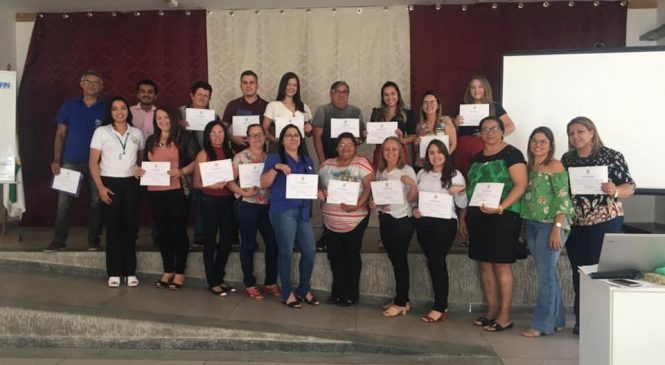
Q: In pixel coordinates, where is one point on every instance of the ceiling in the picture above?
(35, 6)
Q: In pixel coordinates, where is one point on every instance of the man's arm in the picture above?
(318, 143)
(58, 144)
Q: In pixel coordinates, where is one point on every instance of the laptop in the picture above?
(621, 251)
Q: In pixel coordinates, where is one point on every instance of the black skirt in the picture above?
(492, 237)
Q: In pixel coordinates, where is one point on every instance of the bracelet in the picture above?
(182, 172)
(275, 168)
(616, 193)
(500, 209)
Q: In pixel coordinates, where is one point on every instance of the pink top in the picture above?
(169, 154)
(142, 119)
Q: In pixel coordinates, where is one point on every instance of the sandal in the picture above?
(482, 322)
(227, 288)
(497, 327)
(218, 290)
(177, 284)
(532, 333)
(273, 290)
(294, 304)
(429, 319)
(388, 305)
(395, 310)
(311, 300)
(253, 293)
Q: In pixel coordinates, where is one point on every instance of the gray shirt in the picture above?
(322, 118)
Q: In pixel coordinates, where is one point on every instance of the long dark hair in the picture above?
(174, 129)
(401, 108)
(207, 146)
(281, 92)
(301, 147)
(550, 154)
(108, 118)
(448, 170)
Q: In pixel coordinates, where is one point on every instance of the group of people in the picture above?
(110, 146)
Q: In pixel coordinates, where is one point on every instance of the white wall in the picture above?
(23, 34)
(7, 37)
(638, 22)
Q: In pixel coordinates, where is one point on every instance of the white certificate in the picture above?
(377, 132)
(281, 122)
(241, 122)
(425, 140)
(587, 180)
(339, 126)
(435, 205)
(343, 192)
(387, 192)
(301, 186)
(250, 175)
(474, 113)
(156, 173)
(213, 172)
(488, 194)
(68, 181)
(198, 118)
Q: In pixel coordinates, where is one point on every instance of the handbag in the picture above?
(521, 250)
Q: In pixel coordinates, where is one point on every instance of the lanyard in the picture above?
(123, 144)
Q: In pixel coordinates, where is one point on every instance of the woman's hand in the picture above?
(175, 172)
(349, 208)
(283, 168)
(608, 188)
(399, 134)
(138, 172)
(459, 120)
(308, 128)
(105, 195)
(416, 213)
(456, 189)
(488, 210)
(322, 194)
(408, 181)
(555, 239)
(217, 186)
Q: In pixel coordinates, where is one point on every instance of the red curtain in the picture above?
(449, 45)
(124, 47)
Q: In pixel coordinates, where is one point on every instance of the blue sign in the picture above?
(5, 85)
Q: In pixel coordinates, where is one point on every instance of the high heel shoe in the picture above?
(395, 310)
(177, 284)
(388, 305)
(429, 319)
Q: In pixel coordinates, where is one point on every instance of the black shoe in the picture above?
(345, 302)
(54, 246)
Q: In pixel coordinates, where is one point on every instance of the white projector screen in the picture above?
(621, 91)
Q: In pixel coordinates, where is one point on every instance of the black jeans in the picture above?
(121, 219)
(345, 261)
(436, 236)
(217, 214)
(169, 217)
(253, 218)
(396, 237)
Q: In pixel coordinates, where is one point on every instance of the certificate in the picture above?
(198, 118)
(474, 113)
(250, 175)
(435, 205)
(387, 192)
(68, 181)
(213, 172)
(425, 140)
(241, 122)
(377, 132)
(156, 173)
(301, 186)
(281, 122)
(343, 192)
(488, 194)
(339, 126)
(587, 180)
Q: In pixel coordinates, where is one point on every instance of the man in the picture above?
(76, 121)
(250, 103)
(324, 144)
(142, 113)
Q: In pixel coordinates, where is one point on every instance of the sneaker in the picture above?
(132, 281)
(94, 246)
(253, 293)
(114, 281)
(54, 246)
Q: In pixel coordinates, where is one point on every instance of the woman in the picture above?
(287, 104)
(290, 218)
(115, 149)
(432, 123)
(436, 235)
(170, 143)
(252, 212)
(216, 209)
(493, 232)
(393, 109)
(345, 224)
(396, 222)
(546, 208)
(598, 214)
(478, 91)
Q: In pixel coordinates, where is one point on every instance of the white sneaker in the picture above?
(132, 281)
(114, 281)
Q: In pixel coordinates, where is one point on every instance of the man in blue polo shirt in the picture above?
(76, 122)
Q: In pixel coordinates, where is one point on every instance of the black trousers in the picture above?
(436, 236)
(217, 213)
(169, 216)
(345, 261)
(121, 220)
(396, 236)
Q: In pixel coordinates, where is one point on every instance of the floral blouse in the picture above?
(547, 196)
(245, 157)
(595, 209)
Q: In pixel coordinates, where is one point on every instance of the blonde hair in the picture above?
(487, 94)
(383, 164)
(596, 142)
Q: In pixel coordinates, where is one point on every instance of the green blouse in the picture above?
(546, 196)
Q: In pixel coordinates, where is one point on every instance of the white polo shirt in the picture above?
(119, 152)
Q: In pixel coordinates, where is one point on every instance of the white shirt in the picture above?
(116, 160)
(277, 109)
(431, 182)
(398, 210)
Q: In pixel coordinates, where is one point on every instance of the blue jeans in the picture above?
(290, 228)
(548, 313)
(253, 218)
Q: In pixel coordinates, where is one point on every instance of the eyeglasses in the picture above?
(490, 130)
(340, 92)
(256, 135)
(91, 82)
(292, 136)
(345, 145)
(539, 142)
